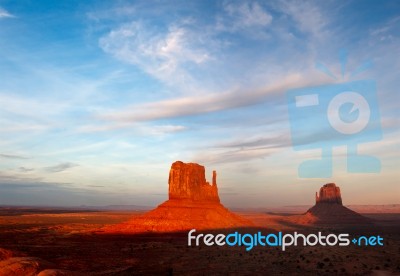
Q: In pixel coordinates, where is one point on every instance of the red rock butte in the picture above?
(329, 193)
(193, 204)
(188, 181)
(329, 210)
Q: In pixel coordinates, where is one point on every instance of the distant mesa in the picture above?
(193, 203)
(329, 210)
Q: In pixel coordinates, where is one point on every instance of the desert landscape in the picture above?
(285, 114)
(62, 241)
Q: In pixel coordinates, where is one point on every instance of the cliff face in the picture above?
(188, 181)
(329, 193)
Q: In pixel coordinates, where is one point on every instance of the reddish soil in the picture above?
(71, 244)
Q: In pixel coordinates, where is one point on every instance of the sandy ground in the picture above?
(71, 243)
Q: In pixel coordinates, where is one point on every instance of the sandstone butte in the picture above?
(329, 210)
(193, 203)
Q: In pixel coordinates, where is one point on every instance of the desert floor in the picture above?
(71, 240)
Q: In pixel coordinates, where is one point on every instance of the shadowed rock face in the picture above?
(328, 209)
(329, 193)
(188, 181)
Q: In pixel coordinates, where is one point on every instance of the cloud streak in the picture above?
(60, 167)
(187, 106)
(23, 169)
(12, 156)
(232, 156)
(5, 14)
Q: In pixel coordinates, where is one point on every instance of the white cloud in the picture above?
(164, 56)
(308, 17)
(5, 14)
(249, 14)
(185, 106)
(242, 16)
(160, 130)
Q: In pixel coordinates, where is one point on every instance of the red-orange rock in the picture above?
(182, 215)
(188, 181)
(329, 193)
(28, 266)
(193, 204)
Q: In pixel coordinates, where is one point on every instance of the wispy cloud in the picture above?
(61, 167)
(247, 17)
(12, 156)
(162, 55)
(160, 130)
(11, 178)
(5, 14)
(23, 169)
(186, 106)
(239, 155)
(140, 129)
(34, 111)
(307, 16)
(386, 31)
(267, 141)
(114, 13)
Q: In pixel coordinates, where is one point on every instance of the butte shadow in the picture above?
(193, 204)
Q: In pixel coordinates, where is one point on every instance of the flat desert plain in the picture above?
(51, 241)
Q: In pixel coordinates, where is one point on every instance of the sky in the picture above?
(99, 98)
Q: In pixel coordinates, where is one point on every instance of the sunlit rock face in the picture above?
(193, 204)
(188, 181)
(329, 193)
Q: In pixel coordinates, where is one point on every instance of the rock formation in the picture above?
(329, 193)
(30, 266)
(187, 181)
(193, 204)
(328, 210)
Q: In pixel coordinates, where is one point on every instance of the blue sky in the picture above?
(98, 98)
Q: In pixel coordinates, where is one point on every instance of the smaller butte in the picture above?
(329, 210)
